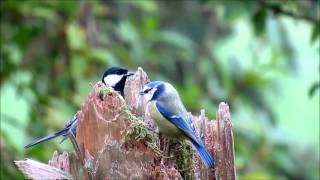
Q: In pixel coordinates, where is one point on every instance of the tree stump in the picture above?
(114, 141)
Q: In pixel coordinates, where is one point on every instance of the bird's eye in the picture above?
(146, 91)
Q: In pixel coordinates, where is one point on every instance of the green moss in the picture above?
(106, 91)
(184, 160)
(138, 130)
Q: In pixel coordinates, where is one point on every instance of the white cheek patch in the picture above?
(145, 88)
(152, 91)
(148, 96)
(112, 79)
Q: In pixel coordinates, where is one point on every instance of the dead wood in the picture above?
(115, 142)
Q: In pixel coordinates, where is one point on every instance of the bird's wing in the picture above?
(46, 138)
(71, 122)
(71, 125)
(178, 121)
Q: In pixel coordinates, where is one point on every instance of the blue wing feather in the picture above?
(177, 120)
(187, 129)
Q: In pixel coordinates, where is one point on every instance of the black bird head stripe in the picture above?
(119, 86)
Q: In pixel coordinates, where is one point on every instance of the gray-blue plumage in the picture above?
(71, 126)
(172, 118)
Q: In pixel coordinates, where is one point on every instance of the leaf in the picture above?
(79, 65)
(45, 13)
(176, 39)
(315, 33)
(76, 37)
(128, 32)
(253, 79)
(103, 56)
(150, 25)
(15, 117)
(262, 175)
(313, 89)
(259, 21)
(148, 6)
(190, 95)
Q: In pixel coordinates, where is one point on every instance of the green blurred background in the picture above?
(262, 57)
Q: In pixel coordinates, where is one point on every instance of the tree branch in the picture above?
(279, 10)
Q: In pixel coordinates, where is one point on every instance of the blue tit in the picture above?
(167, 110)
(115, 77)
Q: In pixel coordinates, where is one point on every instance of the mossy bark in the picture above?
(115, 141)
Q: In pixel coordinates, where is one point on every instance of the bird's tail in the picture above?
(204, 154)
(46, 138)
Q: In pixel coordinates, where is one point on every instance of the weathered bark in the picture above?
(115, 141)
(36, 170)
(218, 138)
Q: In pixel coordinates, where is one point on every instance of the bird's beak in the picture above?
(141, 93)
(129, 74)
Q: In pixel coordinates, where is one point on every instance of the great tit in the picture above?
(115, 77)
(170, 115)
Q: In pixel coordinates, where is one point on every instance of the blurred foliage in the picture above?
(212, 51)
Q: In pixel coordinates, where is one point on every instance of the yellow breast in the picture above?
(165, 126)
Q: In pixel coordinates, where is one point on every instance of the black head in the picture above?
(115, 71)
(116, 78)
